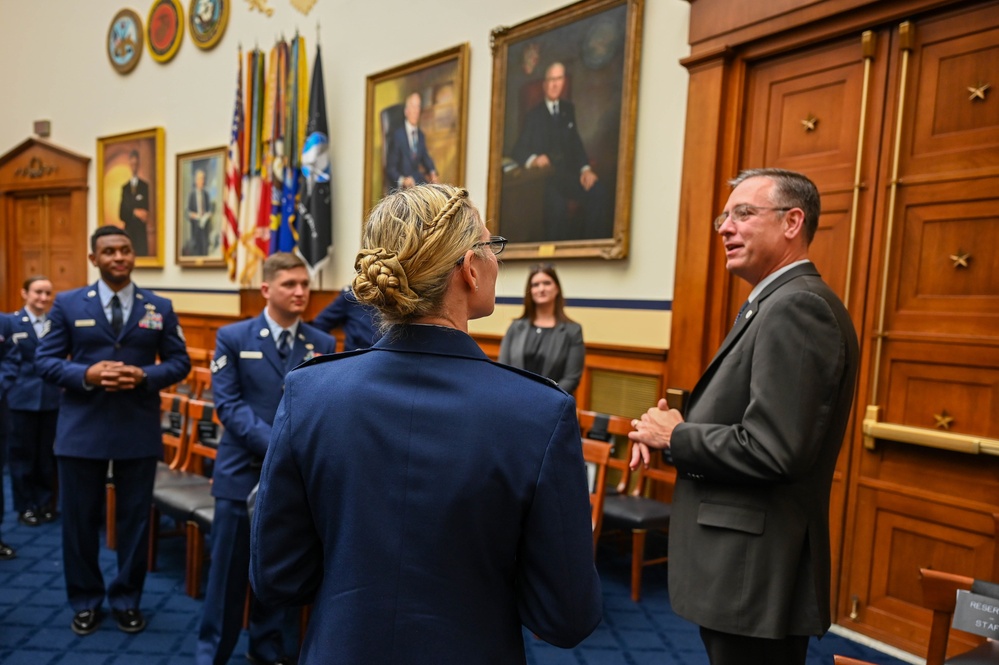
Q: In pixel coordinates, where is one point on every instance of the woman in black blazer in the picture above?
(544, 340)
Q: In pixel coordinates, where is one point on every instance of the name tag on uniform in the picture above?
(253, 355)
(84, 323)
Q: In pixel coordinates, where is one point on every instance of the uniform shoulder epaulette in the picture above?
(537, 378)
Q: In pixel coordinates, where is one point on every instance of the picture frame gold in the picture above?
(164, 29)
(199, 209)
(124, 41)
(560, 177)
(207, 21)
(121, 203)
(441, 82)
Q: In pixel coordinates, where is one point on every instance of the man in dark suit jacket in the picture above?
(251, 360)
(550, 140)
(34, 407)
(134, 208)
(101, 345)
(408, 162)
(749, 538)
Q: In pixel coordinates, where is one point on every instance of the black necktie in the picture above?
(284, 344)
(116, 316)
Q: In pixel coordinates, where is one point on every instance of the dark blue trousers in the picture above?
(228, 576)
(30, 437)
(81, 486)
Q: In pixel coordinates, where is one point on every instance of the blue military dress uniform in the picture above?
(33, 405)
(248, 376)
(97, 426)
(5, 327)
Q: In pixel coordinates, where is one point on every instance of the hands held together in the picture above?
(653, 430)
(113, 375)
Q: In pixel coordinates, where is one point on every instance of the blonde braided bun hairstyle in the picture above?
(412, 241)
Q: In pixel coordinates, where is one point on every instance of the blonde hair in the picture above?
(411, 243)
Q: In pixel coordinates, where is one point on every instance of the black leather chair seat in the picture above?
(203, 517)
(623, 511)
(180, 501)
(166, 476)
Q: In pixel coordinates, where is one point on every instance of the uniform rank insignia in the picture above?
(180, 333)
(218, 364)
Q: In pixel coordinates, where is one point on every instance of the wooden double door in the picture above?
(43, 220)
(898, 125)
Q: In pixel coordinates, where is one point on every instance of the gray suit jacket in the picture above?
(749, 539)
(563, 350)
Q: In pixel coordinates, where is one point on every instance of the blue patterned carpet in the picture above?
(34, 616)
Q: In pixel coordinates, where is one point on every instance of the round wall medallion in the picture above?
(125, 41)
(164, 29)
(207, 20)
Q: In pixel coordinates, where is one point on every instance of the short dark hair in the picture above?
(133, 153)
(34, 278)
(106, 230)
(279, 261)
(791, 190)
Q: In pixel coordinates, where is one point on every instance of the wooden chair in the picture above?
(199, 357)
(597, 453)
(201, 383)
(940, 596)
(181, 500)
(613, 429)
(843, 660)
(205, 434)
(639, 513)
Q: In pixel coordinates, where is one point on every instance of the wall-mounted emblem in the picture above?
(125, 41)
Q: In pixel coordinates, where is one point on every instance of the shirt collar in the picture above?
(106, 292)
(276, 329)
(766, 281)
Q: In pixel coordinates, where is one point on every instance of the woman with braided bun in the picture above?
(427, 501)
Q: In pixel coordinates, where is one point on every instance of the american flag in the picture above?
(234, 179)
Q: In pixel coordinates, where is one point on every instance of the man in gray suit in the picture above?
(749, 539)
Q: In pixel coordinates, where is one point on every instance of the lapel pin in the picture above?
(265, 332)
(749, 313)
(91, 293)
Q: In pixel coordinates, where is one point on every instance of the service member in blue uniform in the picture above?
(101, 345)
(33, 405)
(6, 322)
(251, 360)
(358, 321)
(427, 500)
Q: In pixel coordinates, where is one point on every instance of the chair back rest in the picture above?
(201, 383)
(645, 477)
(843, 660)
(205, 430)
(173, 424)
(597, 453)
(613, 429)
(940, 596)
(199, 357)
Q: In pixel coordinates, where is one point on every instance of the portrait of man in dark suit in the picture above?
(408, 162)
(550, 142)
(200, 209)
(134, 208)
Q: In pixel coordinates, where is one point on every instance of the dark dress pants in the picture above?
(729, 649)
(228, 576)
(30, 436)
(81, 486)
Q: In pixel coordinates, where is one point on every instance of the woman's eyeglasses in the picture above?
(496, 243)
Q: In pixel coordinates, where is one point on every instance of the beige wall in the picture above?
(55, 68)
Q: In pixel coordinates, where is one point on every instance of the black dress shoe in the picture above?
(29, 518)
(86, 621)
(130, 621)
(6, 551)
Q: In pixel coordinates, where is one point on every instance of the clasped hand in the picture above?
(653, 430)
(113, 375)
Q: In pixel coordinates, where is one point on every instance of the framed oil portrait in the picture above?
(130, 190)
(416, 124)
(200, 180)
(562, 136)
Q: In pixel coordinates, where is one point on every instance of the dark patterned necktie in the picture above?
(742, 311)
(116, 316)
(284, 344)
